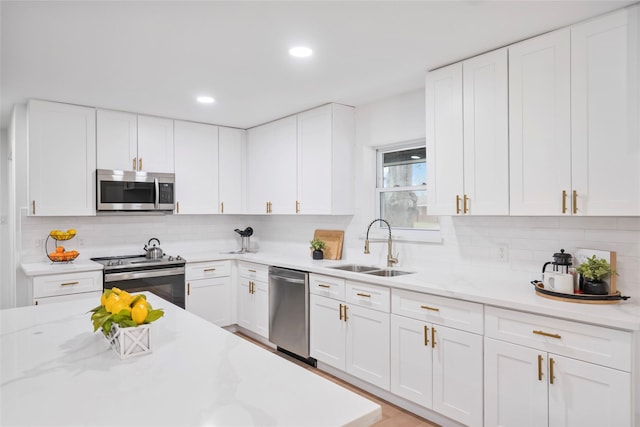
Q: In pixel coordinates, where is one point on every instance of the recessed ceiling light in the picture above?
(300, 51)
(205, 100)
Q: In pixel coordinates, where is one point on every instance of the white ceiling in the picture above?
(155, 57)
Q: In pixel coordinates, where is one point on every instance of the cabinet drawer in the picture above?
(253, 271)
(71, 297)
(327, 286)
(65, 284)
(596, 344)
(367, 295)
(202, 270)
(464, 315)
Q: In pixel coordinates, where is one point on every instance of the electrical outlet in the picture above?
(502, 253)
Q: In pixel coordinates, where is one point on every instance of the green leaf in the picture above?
(154, 315)
(127, 323)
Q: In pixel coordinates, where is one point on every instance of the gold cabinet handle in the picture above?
(340, 311)
(426, 335)
(134, 163)
(69, 283)
(457, 204)
(551, 376)
(539, 367)
(426, 307)
(250, 287)
(547, 334)
(140, 164)
(345, 313)
(574, 202)
(251, 271)
(322, 285)
(564, 201)
(297, 207)
(270, 207)
(465, 207)
(33, 207)
(221, 207)
(360, 294)
(209, 269)
(433, 337)
(177, 207)
(188, 289)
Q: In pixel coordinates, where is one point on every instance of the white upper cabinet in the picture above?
(486, 134)
(231, 150)
(62, 159)
(117, 137)
(443, 96)
(605, 118)
(196, 158)
(128, 141)
(325, 160)
(272, 167)
(539, 125)
(155, 144)
(467, 137)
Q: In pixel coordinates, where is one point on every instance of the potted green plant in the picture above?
(317, 246)
(594, 271)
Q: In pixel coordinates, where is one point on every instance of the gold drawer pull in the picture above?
(360, 294)
(251, 271)
(426, 307)
(209, 269)
(69, 283)
(547, 334)
(322, 285)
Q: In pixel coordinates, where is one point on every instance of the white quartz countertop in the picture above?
(57, 372)
(518, 295)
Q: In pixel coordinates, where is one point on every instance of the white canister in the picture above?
(559, 282)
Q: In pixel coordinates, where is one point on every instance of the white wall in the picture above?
(469, 245)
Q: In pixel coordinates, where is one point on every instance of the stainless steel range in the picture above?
(162, 276)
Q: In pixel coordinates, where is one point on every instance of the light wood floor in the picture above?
(392, 416)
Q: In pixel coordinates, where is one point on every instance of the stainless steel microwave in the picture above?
(129, 191)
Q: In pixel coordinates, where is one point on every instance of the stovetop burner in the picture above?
(121, 262)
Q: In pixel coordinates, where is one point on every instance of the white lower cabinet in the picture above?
(528, 385)
(253, 298)
(209, 291)
(65, 287)
(349, 335)
(436, 366)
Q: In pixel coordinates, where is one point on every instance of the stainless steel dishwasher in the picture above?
(289, 312)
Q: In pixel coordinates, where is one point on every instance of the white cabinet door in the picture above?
(272, 167)
(210, 299)
(327, 331)
(261, 308)
(367, 345)
(245, 310)
(443, 94)
(605, 114)
(61, 159)
(515, 385)
(231, 150)
(539, 125)
(117, 140)
(196, 168)
(411, 360)
(486, 134)
(586, 395)
(155, 144)
(457, 374)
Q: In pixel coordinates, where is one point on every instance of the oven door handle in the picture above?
(131, 275)
(157, 188)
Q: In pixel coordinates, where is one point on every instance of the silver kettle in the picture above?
(153, 252)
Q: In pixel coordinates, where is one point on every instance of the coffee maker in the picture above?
(561, 262)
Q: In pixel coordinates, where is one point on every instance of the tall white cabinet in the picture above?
(605, 115)
(231, 170)
(61, 159)
(467, 137)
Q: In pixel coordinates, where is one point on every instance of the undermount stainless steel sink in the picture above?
(355, 268)
(387, 273)
(374, 271)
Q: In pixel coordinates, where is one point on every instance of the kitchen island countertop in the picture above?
(57, 371)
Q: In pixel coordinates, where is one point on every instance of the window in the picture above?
(402, 187)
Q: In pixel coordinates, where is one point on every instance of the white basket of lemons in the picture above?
(125, 321)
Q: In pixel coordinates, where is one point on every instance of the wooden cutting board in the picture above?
(333, 239)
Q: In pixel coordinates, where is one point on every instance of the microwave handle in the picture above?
(157, 187)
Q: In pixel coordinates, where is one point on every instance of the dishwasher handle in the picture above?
(288, 279)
